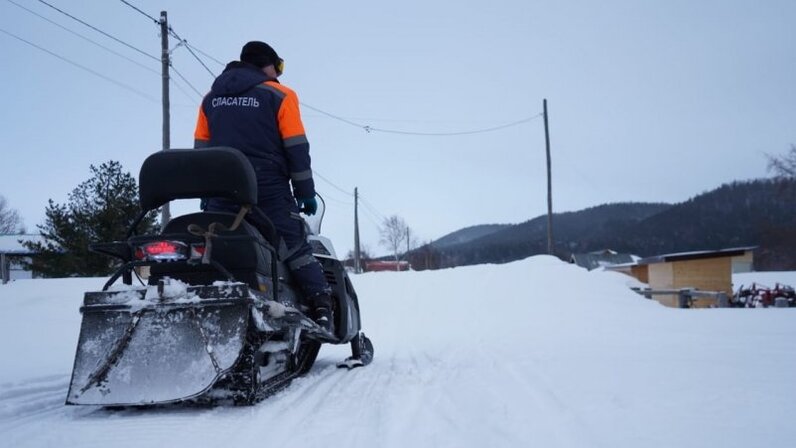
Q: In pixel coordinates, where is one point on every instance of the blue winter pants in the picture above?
(281, 208)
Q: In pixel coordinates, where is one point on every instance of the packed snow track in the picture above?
(533, 353)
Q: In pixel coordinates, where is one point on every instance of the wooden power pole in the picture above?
(549, 184)
(164, 59)
(357, 261)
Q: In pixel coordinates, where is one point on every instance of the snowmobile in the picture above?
(219, 320)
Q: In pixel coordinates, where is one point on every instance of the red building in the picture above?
(375, 266)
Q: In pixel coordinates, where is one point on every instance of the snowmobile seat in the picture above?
(216, 172)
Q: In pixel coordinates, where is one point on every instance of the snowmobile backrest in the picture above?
(216, 172)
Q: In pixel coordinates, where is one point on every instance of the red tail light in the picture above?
(162, 251)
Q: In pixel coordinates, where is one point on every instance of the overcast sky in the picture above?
(648, 100)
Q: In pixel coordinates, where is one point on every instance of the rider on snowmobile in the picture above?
(248, 109)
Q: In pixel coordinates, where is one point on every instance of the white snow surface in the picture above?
(532, 353)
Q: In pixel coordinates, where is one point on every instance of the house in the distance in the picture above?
(386, 265)
(12, 255)
(709, 270)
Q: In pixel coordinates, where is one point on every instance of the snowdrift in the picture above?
(532, 353)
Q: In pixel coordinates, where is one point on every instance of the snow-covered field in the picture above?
(533, 353)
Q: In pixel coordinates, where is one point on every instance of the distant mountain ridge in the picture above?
(469, 234)
(753, 213)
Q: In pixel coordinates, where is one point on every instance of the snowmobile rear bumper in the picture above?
(137, 347)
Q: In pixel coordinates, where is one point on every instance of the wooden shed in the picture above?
(702, 270)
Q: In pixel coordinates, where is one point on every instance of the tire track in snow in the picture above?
(33, 399)
(563, 422)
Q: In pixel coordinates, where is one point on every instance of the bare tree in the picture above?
(10, 222)
(784, 165)
(393, 234)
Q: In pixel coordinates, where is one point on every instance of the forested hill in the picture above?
(469, 234)
(754, 213)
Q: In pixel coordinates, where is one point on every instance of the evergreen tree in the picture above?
(100, 209)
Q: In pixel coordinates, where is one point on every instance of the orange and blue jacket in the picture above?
(257, 115)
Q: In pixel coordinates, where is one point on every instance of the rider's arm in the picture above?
(201, 136)
(297, 148)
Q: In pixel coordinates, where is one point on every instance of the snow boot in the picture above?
(322, 311)
(323, 317)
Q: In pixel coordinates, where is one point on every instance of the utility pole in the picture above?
(357, 261)
(164, 59)
(549, 184)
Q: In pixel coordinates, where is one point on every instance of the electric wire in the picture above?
(205, 54)
(185, 42)
(369, 129)
(93, 72)
(369, 204)
(100, 31)
(114, 52)
(185, 80)
(141, 12)
(332, 183)
(85, 38)
(336, 200)
(372, 209)
(330, 115)
(448, 134)
(174, 34)
(184, 92)
(109, 50)
(370, 217)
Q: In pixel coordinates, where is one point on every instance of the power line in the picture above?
(447, 134)
(186, 81)
(336, 117)
(95, 73)
(332, 183)
(100, 31)
(335, 200)
(184, 92)
(174, 34)
(374, 210)
(369, 129)
(141, 12)
(185, 42)
(110, 50)
(206, 55)
(369, 215)
(85, 38)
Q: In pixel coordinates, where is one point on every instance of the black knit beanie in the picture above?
(258, 53)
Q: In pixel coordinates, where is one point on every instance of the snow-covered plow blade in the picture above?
(155, 345)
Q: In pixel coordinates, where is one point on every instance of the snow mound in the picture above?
(532, 353)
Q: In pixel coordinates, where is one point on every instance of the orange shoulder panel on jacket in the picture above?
(202, 131)
(290, 124)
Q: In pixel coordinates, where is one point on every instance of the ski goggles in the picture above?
(280, 66)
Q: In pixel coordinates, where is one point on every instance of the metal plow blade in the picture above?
(134, 351)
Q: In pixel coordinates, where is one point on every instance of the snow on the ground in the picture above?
(532, 353)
